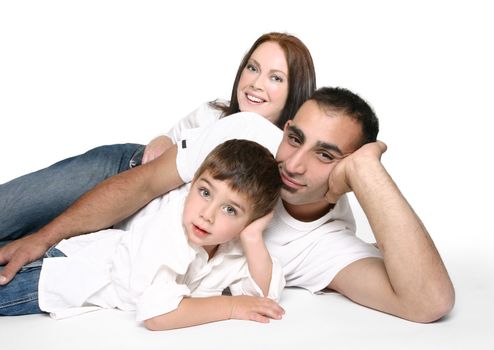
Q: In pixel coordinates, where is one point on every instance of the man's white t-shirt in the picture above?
(311, 253)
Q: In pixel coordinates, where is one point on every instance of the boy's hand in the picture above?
(18, 253)
(254, 230)
(257, 309)
(256, 253)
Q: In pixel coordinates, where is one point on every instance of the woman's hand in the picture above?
(155, 148)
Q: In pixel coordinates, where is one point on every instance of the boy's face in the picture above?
(213, 212)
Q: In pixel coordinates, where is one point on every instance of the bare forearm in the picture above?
(196, 311)
(413, 264)
(192, 312)
(108, 203)
(105, 205)
(115, 199)
(259, 261)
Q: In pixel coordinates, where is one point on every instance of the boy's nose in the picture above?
(207, 214)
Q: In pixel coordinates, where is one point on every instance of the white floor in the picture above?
(311, 322)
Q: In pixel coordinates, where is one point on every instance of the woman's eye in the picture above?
(277, 78)
(229, 210)
(251, 68)
(204, 192)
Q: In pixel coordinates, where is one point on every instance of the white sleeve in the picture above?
(328, 256)
(202, 116)
(158, 253)
(247, 285)
(196, 144)
(162, 296)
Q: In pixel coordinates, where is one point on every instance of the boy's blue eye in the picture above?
(228, 209)
(204, 192)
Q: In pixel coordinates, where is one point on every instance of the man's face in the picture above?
(313, 143)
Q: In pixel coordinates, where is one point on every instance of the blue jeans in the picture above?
(29, 202)
(20, 296)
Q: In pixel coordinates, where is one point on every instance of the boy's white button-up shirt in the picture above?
(148, 267)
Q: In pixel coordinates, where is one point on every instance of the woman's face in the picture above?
(263, 84)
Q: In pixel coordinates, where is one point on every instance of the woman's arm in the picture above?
(196, 311)
(156, 148)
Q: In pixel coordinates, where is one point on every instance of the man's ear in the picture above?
(287, 124)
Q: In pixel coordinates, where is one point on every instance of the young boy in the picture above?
(172, 263)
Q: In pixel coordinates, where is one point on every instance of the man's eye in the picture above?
(229, 210)
(326, 157)
(293, 140)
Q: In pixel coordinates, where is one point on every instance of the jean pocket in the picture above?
(50, 253)
(54, 253)
(36, 264)
(136, 158)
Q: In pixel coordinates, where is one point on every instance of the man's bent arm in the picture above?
(105, 205)
(412, 281)
(116, 198)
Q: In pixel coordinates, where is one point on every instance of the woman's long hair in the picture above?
(301, 76)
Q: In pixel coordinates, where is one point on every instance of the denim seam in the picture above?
(28, 298)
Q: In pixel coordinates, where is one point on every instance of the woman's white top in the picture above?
(202, 116)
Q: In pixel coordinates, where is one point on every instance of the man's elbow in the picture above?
(150, 324)
(154, 324)
(435, 308)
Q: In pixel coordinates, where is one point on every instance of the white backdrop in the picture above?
(78, 74)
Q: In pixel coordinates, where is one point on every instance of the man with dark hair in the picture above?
(327, 150)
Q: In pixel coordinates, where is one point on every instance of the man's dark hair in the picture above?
(346, 102)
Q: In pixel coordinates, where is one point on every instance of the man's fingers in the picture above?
(3, 257)
(11, 269)
(382, 145)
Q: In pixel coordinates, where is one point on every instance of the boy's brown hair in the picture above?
(248, 168)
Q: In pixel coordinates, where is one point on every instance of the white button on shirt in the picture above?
(149, 267)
